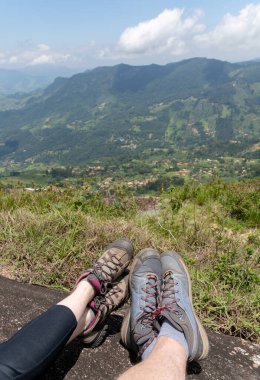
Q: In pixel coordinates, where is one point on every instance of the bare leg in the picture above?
(78, 299)
(35, 347)
(77, 302)
(31, 351)
(82, 323)
(167, 361)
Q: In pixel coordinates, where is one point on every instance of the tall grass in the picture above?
(50, 237)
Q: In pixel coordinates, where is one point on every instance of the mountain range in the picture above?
(205, 107)
(30, 78)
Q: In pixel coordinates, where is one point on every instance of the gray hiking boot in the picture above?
(109, 266)
(176, 305)
(138, 329)
(96, 332)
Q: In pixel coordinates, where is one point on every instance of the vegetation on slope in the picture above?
(124, 111)
(50, 237)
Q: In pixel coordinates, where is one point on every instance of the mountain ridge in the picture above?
(124, 110)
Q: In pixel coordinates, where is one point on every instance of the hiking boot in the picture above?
(176, 305)
(102, 306)
(138, 328)
(109, 266)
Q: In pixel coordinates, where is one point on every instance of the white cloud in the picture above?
(13, 59)
(43, 47)
(168, 32)
(34, 55)
(174, 33)
(41, 59)
(238, 34)
(49, 59)
(43, 54)
(2, 58)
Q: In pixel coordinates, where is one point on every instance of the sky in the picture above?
(88, 33)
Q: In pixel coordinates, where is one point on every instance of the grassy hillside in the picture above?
(49, 237)
(128, 112)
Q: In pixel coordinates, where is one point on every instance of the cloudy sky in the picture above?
(89, 33)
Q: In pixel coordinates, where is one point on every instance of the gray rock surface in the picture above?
(230, 358)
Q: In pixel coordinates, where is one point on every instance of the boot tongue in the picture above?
(168, 290)
(143, 330)
(150, 291)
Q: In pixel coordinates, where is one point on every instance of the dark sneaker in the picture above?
(176, 305)
(138, 329)
(110, 265)
(96, 332)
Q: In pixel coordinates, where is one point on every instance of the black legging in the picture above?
(30, 352)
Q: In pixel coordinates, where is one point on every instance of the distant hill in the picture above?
(30, 78)
(203, 105)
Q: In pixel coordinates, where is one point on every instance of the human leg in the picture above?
(30, 352)
(181, 336)
(162, 357)
(167, 361)
(33, 348)
(110, 269)
(177, 316)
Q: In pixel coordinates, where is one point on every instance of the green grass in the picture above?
(50, 237)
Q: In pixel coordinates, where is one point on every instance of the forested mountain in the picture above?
(203, 106)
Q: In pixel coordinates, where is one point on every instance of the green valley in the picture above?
(194, 119)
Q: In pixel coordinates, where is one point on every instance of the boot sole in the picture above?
(125, 331)
(94, 340)
(202, 331)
